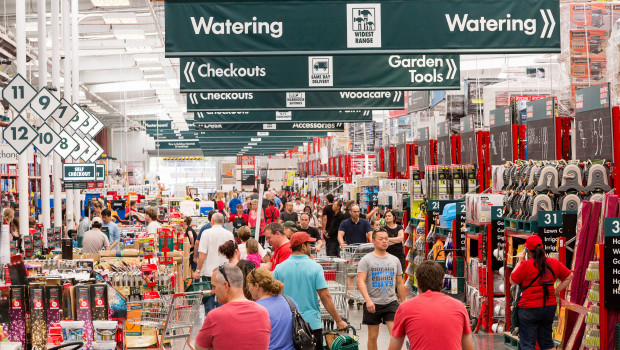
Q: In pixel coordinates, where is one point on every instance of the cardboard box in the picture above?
(593, 68)
(591, 16)
(588, 42)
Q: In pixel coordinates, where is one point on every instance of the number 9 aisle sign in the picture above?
(47, 139)
(66, 145)
(44, 103)
(19, 134)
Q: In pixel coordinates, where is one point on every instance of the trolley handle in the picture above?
(184, 294)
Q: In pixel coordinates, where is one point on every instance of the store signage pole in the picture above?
(75, 75)
(55, 8)
(45, 161)
(22, 160)
(66, 31)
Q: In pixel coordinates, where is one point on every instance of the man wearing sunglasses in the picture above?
(304, 281)
(222, 326)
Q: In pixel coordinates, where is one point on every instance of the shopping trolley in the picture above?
(335, 271)
(354, 253)
(172, 317)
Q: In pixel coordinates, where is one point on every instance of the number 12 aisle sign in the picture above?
(19, 134)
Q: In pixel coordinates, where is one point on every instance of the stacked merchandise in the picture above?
(447, 182)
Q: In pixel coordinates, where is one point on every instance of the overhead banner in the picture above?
(177, 145)
(283, 116)
(292, 127)
(276, 101)
(257, 134)
(261, 140)
(276, 27)
(78, 172)
(322, 73)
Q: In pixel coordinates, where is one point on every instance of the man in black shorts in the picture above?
(377, 274)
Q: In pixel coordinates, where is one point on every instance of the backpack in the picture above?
(302, 332)
(272, 217)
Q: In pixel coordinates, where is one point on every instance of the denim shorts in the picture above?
(536, 325)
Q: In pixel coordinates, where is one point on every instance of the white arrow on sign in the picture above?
(189, 76)
(64, 113)
(19, 134)
(95, 130)
(66, 145)
(90, 123)
(79, 119)
(47, 139)
(81, 148)
(551, 19)
(18, 93)
(44, 103)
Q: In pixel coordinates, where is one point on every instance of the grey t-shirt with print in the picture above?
(380, 277)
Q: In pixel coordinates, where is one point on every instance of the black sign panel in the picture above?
(424, 154)
(401, 157)
(469, 148)
(386, 159)
(498, 240)
(541, 131)
(461, 235)
(612, 263)
(501, 135)
(444, 150)
(593, 122)
(248, 178)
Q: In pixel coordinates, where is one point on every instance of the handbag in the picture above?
(302, 332)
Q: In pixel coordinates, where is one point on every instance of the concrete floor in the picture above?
(481, 341)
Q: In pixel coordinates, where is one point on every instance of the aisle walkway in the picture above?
(481, 341)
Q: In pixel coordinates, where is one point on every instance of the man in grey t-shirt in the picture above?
(379, 274)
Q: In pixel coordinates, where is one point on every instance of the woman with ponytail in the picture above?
(267, 291)
(535, 273)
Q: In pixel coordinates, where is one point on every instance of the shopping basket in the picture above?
(198, 286)
(336, 340)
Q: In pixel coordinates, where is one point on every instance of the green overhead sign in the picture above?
(261, 140)
(312, 100)
(100, 172)
(78, 172)
(292, 127)
(279, 27)
(174, 136)
(355, 116)
(177, 145)
(323, 73)
(158, 124)
(247, 134)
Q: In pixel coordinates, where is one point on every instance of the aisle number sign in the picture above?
(64, 113)
(95, 130)
(46, 140)
(89, 123)
(44, 103)
(78, 172)
(338, 72)
(18, 93)
(612, 262)
(79, 118)
(100, 172)
(19, 134)
(66, 145)
(89, 150)
(81, 146)
(97, 153)
(258, 27)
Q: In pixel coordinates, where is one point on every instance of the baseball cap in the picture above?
(300, 238)
(290, 225)
(532, 242)
(97, 219)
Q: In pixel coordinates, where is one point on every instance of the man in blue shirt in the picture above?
(114, 234)
(233, 203)
(304, 281)
(355, 229)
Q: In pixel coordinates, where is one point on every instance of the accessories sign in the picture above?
(276, 27)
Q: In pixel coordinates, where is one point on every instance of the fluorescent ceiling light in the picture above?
(138, 49)
(150, 68)
(164, 92)
(247, 147)
(120, 18)
(129, 34)
(110, 3)
(153, 76)
(32, 26)
(146, 58)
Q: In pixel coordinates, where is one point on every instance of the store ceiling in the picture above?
(123, 85)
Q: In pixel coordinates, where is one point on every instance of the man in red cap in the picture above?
(303, 279)
(537, 303)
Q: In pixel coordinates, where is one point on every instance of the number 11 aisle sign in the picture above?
(18, 93)
(19, 134)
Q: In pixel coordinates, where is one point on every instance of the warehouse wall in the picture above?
(130, 147)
